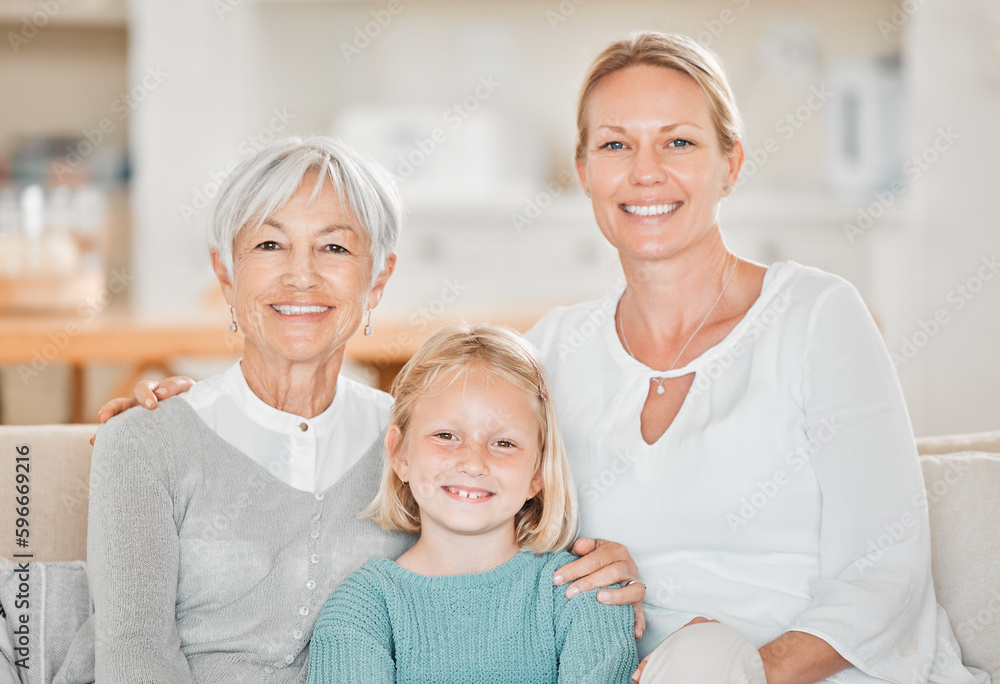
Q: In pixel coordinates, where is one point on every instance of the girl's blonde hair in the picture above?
(670, 51)
(545, 523)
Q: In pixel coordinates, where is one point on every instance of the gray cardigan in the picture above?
(202, 566)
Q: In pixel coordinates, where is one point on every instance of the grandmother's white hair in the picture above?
(265, 182)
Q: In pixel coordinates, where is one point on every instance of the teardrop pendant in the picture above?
(659, 389)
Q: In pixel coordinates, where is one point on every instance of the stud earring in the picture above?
(368, 327)
(726, 189)
(232, 322)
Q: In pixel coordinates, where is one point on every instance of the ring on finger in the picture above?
(633, 581)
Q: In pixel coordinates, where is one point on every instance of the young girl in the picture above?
(476, 466)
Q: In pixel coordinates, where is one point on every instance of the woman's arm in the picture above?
(133, 561)
(800, 658)
(873, 598)
(603, 563)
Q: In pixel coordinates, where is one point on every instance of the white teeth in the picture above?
(650, 209)
(466, 494)
(294, 310)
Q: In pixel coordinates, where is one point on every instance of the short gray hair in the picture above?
(264, 183)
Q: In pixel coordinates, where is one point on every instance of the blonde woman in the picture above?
(739, 428)
(477, 468)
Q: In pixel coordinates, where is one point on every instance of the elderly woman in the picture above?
(739, 428)
(220, 522)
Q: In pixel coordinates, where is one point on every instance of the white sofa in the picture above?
(961, 474)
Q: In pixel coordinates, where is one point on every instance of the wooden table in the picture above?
(31, 343)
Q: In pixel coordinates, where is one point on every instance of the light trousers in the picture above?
(705, 653)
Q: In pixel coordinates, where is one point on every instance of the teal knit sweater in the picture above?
(385, 624)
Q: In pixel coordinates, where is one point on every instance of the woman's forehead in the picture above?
(641, 91)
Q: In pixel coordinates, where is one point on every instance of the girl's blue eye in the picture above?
(613, 145)
(268, 246)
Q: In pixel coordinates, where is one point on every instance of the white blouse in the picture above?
(306, 453)
(786, 494)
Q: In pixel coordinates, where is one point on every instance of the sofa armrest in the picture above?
(57, 471)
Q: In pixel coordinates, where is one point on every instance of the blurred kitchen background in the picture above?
(872, 145)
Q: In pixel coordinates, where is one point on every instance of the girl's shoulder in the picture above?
(360, 593)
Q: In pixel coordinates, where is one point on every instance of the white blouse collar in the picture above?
(254, 408)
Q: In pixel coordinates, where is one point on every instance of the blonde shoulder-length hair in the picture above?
(546, 522)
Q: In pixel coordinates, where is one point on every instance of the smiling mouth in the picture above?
(649, 209)
(472, 494)
(294, 310)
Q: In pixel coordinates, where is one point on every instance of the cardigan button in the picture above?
(314, 558)
(314, 534)
(297, 634)
(289, 659)
(311, 584)
(319, 496)
(303, 611)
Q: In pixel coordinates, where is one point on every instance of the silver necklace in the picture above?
(621, 329)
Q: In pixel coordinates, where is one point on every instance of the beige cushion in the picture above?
(58, 479)
(962, 497)
(949, 444)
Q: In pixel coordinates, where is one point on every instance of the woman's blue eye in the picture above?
(680, 143)
(268, 246)
(613, 145)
